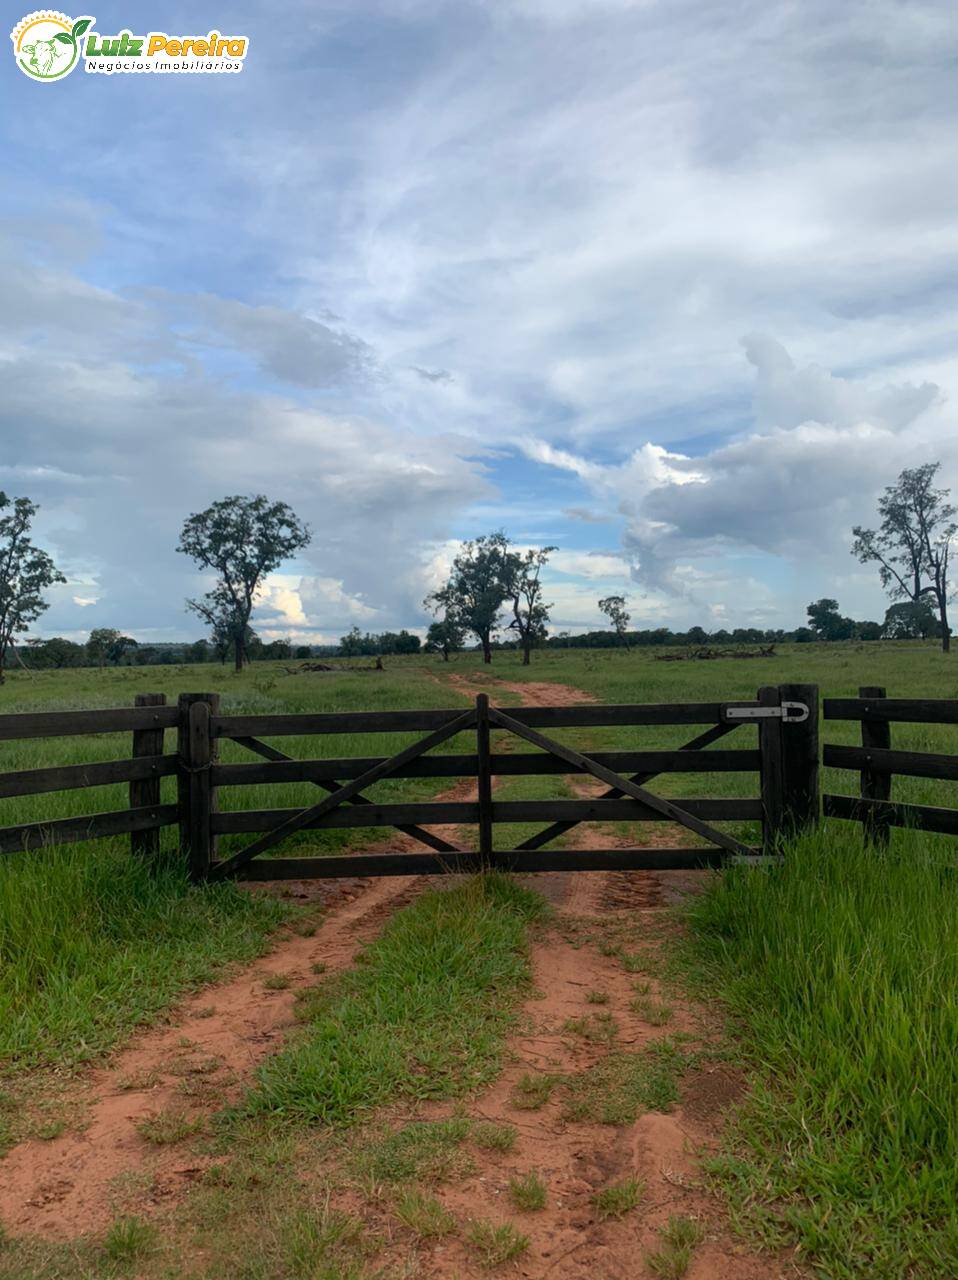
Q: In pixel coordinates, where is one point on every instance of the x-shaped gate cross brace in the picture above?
(342, 794)
(665, 807)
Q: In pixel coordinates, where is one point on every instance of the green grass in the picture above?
(528, 1192)
(422, 1151)
(617, 1199)
(425, 1015)
(92, 943)
(621, 1086)
(128, 1240)
(425, 1215)
(841, 965)
(489, 1136)
(678, 1240)
(496, 1244)
(599, 1028)
(533, 1090)
(163, 1128)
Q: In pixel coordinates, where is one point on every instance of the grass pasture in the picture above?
(838, 970)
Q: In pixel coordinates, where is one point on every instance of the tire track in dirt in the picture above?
(663, 1150)
(589, 892)
(201, 1060)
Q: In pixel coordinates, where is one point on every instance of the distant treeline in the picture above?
(106, 647)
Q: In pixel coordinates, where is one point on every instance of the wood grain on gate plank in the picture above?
(90, 826)
(64, 724)
(922, 817)
(916, 710)
(466, 813)
(587, 714)
(465, 766)
(518, 860)
(913, 764)
(71, 777)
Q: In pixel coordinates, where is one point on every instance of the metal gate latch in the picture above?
(790, 712)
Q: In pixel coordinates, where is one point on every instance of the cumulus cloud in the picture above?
(575, 207)
(823, 448)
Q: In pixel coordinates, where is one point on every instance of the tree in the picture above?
(351, 644)
(99, 642)
(614, 609)
(445, 636)
(912, 545)
(106, 644)
(910, 620)
(530, 613)
(198, 651)
(242, 540)
(478, 587)
(55, 652)
(827, 623)
(25, 572)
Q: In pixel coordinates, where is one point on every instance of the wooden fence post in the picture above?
(772, 783)
(196, 796)
(801, 805)
(875, 785)
(484, 779)
(146, 791)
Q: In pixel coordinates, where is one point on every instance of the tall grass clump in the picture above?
(423, 1014)
(841, 964)
(92, 942)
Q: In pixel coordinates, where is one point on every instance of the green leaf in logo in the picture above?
(63, 37)
(81, 25)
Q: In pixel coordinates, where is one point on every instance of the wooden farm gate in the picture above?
(785, 757)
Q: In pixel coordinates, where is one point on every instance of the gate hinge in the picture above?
(790, 712)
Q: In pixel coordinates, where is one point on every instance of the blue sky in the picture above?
(670, 285)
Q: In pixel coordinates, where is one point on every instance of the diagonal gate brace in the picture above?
(560, 828)
(418, 833)
(665, 807)
(341, 795)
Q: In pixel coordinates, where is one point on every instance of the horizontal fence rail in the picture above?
(65, 724)
(877, 763)
(588, 715)
(466, 813)
(73, 777)
(785, 764)
(465, 766)
(89, 826)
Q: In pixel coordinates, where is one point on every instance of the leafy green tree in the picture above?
(242, 540)
(827, 623)
(107, 645)
(614, 609)
(25, 573)
(101, 641)
(55, 652)
(530, 613)
(199, 651)
(351, 644)
(912, 545)
(445, 636)
(478, 587)
(911, 620)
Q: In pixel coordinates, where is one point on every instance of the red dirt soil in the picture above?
(66, 1187)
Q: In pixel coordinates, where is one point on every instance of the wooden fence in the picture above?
(785, 757)
(877, 763)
